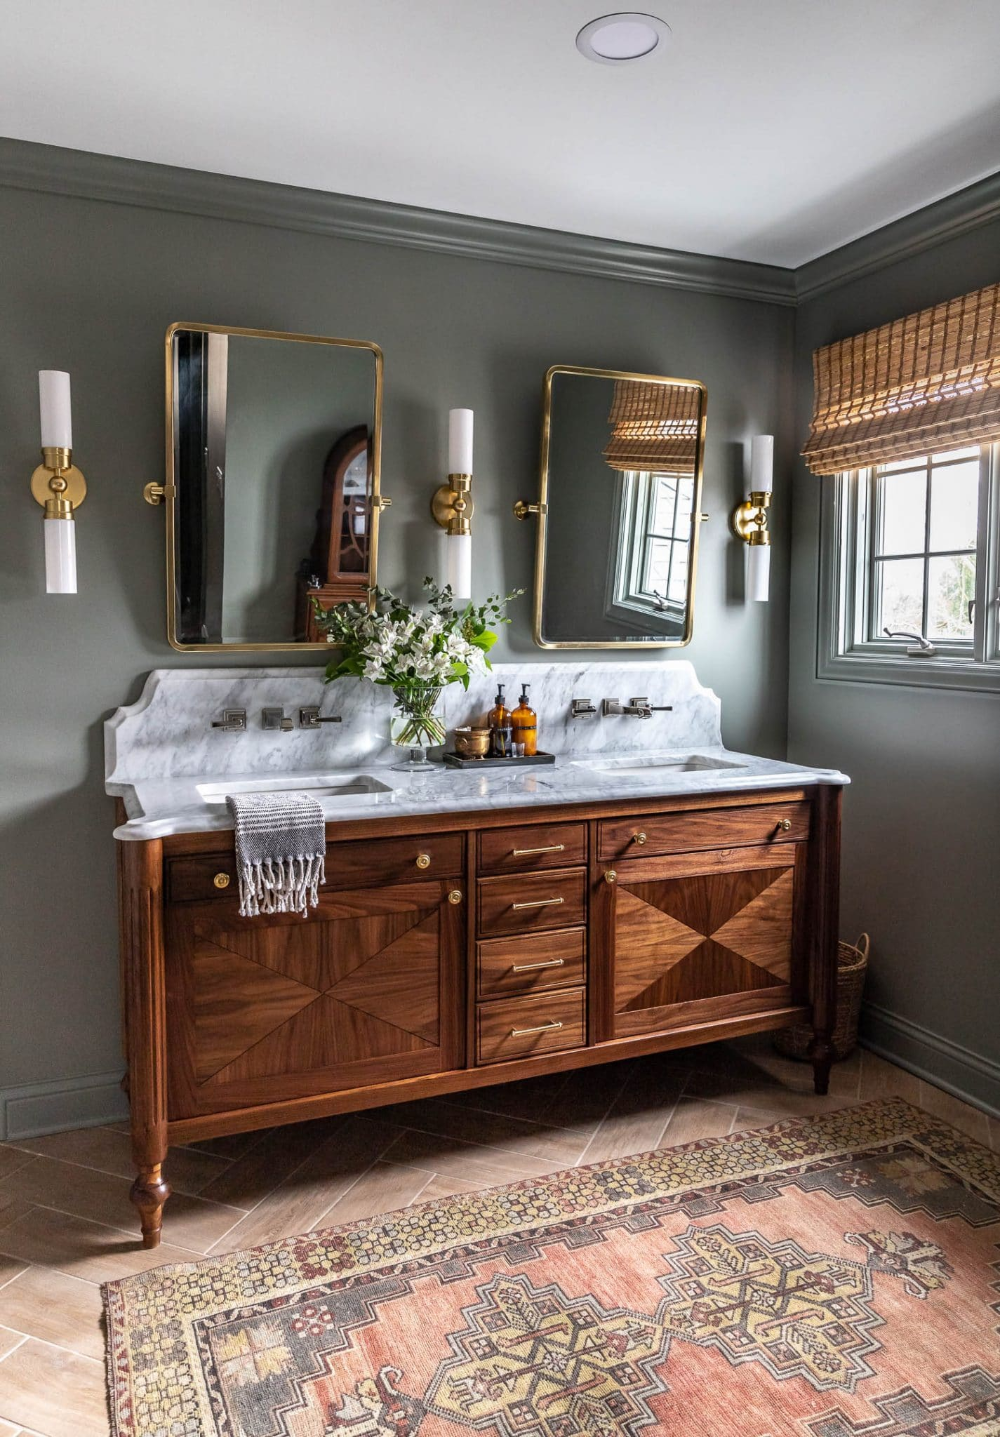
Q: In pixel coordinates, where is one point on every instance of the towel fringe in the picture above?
(281, 885)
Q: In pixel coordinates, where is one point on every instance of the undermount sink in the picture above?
(339, 787)
(637, 765)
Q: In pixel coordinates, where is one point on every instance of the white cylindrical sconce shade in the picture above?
(458, 564)
(56, 410)
(60, 556)
(758, 572)
(762, 463)
(460, 441)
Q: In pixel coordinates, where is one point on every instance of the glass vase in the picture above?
(414, 725)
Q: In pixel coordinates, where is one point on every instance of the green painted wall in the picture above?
(90, 286)
(922, 817)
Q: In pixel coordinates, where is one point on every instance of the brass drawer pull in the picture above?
(783, 825)
(542, 1028)
(423, 860)
(525, 852)
(221, 880)
(610, 876)
(539, 903)
(639, 838)
(455, 896)
(530, 967)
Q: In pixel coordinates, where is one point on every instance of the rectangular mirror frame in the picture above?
(170, 490)
(543, 493)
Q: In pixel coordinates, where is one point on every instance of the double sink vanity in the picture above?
(649, 890)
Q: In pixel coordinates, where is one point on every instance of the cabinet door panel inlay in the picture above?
(324, 1035)
(236, 1003)
(265, 1008)
(682, 940)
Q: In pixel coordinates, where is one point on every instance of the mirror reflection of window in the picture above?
(622, 482)
(648, 563)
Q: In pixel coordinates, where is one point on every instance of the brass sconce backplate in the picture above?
(451, 504)
(58, 479)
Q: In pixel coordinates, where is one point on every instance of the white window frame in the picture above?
(846, 649)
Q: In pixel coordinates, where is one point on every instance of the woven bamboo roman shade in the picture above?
(654, 427)
(916, 386)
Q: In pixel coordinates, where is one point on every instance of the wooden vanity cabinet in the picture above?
(440, 959)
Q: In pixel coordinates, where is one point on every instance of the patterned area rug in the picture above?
(824, 1277)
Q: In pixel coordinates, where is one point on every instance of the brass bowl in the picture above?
(472, 742)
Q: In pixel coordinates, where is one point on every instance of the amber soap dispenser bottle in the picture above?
(524, 724)
(498, 721)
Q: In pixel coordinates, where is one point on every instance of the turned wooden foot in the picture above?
(149, 1193)
(821, 1053)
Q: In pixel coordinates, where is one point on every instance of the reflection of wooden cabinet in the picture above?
(338, 570)
(531, 941)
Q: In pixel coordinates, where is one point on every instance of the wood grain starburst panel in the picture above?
(701, 937)
(284, 1006)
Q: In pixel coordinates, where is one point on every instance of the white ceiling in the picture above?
(770, 130)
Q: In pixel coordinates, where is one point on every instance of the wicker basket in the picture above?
(852, 965)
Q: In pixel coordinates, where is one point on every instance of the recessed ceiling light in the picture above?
(617, 39)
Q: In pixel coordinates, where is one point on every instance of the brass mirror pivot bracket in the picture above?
(522, 510)
(57, 484)
(156, 493)
(749, 519)
(452, 505)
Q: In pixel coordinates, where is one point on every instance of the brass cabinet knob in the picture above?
(784, 824)
(639, 838)
(455, 896)
(221, 880)
(610, 876)
(423, 860)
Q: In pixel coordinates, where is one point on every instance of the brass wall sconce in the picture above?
(452, 505)
(749, 519)
(56, 483)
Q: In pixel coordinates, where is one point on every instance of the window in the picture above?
(911, 547)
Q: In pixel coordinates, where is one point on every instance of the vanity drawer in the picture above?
(528, 1027)
(389, 860)
(532, 900)
(363, 864)
(522, 850)
(695, 829)
(531, 963)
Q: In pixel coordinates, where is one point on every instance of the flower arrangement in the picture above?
(413, 652)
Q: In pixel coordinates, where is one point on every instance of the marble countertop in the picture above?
(159, 807)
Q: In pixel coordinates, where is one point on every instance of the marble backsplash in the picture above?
(168, 731)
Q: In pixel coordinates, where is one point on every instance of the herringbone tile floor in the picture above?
(66, 1224)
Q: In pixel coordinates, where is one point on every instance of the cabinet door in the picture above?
(366, 989)
(700, 937)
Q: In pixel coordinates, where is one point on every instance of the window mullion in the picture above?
(925, 610)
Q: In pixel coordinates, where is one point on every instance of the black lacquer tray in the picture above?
(461, 760)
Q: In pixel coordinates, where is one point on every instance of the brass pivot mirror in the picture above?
(618, 509)
(272, 489)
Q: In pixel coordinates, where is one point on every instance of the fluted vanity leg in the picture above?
(824, 912)
(141, 875)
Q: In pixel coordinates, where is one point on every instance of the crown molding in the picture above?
(81, 174)
(51, 169)
(946, 219)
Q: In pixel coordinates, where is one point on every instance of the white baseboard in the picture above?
(960, 1071)
(38, 1108)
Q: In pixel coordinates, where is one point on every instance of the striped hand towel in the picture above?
(280, 851)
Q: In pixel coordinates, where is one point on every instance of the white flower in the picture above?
(373, 670)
